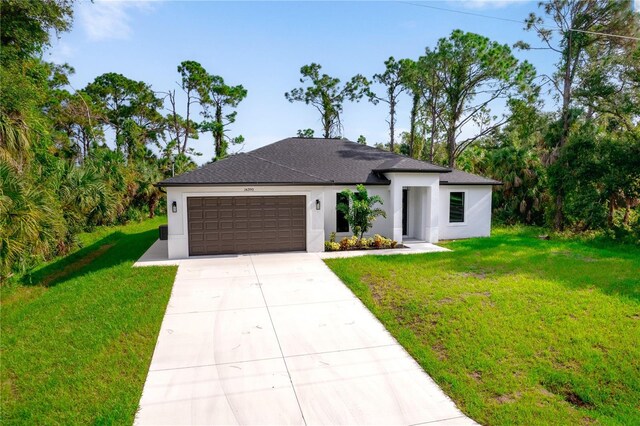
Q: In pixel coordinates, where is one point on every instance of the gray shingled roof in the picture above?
(306, 161)
(458, 177)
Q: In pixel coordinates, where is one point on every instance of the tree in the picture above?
(582, 27)
(131, 108)
(362, 140)
(361, 211)
(193, 82)
(327, 96)
(475, 73)
(30, 221)
(391, 79)
(305, 133)
(27, 26)
(220, 96)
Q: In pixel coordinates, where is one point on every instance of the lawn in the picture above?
(517, 330)
(78, 335)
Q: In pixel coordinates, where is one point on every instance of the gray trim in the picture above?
(410, 171)
(170, 184)
(495, 183)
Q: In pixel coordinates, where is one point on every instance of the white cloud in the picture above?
(109, 19)
(61, 52)
(485, 4)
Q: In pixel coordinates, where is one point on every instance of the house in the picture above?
(283, 196)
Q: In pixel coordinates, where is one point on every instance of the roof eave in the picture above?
(411, 171)
(185, 184)
(496, 183)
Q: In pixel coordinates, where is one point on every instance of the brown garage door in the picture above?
(252, 224)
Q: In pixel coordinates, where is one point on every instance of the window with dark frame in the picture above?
(341, 221)
(456, 207)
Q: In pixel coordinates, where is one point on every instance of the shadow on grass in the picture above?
(608, 268)
(110, 251)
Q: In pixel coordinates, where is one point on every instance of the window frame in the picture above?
(464, 209)
(340, 218)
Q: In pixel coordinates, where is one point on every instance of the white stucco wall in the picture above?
(428, 210)
(477, 212)
(423, 213)
(178, 244)
(382, 226)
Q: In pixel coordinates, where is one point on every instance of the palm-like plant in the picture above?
(522, 173)
(148, 194)
(31, 224)
(361, 211)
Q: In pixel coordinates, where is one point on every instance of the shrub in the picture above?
(331, 246)
(361, 211)
(353, 243)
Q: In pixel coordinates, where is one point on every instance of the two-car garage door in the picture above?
(251, 224)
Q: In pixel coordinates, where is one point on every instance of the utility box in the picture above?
(163, 230)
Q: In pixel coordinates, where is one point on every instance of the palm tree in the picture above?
(360, 212)
(31, 224)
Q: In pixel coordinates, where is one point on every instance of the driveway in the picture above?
(279, 339)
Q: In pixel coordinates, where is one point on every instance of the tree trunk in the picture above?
(627, 211)
(433, 131)
(392, 122)
(612, 210)
(566, 103)
(219, 133)
(451, 145)
(414, 117)
(152, 206)
(558, 220)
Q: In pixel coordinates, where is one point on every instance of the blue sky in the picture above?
(262, 45)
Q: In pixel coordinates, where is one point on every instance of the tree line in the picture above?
(73, 159)
(574, 164)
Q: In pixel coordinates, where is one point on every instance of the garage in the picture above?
(246, 224)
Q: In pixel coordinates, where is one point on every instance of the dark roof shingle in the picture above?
(458, 177)
(306, 161)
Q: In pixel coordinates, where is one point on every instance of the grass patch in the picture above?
(517, 330)
(77, 334)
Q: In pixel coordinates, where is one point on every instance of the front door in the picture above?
(405, 203)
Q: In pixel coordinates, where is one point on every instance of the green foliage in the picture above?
(603, 175)
(131, 110)
(469, 64)
(391, 79)
(219, 96)
(60, 174)
(331, 246)
(356, 242)
(305, 133)
(361, 211)
(327, 95)
(31, 222)
(27, 26)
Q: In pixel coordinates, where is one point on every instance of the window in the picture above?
(456, 207)
(341, 221)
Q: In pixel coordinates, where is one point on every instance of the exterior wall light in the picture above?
(317, 204)
(174, 207)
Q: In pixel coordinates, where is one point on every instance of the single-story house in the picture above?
(283, 197)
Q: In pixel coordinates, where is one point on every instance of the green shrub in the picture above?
(331, 246)
(355, 243)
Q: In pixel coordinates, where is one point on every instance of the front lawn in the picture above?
(517, 330)
(78, 335)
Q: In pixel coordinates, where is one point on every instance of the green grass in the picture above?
(517, 330)
(78, 334)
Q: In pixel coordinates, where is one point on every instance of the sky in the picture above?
(262, 46)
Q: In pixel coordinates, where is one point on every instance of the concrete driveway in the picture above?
(279, 339)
